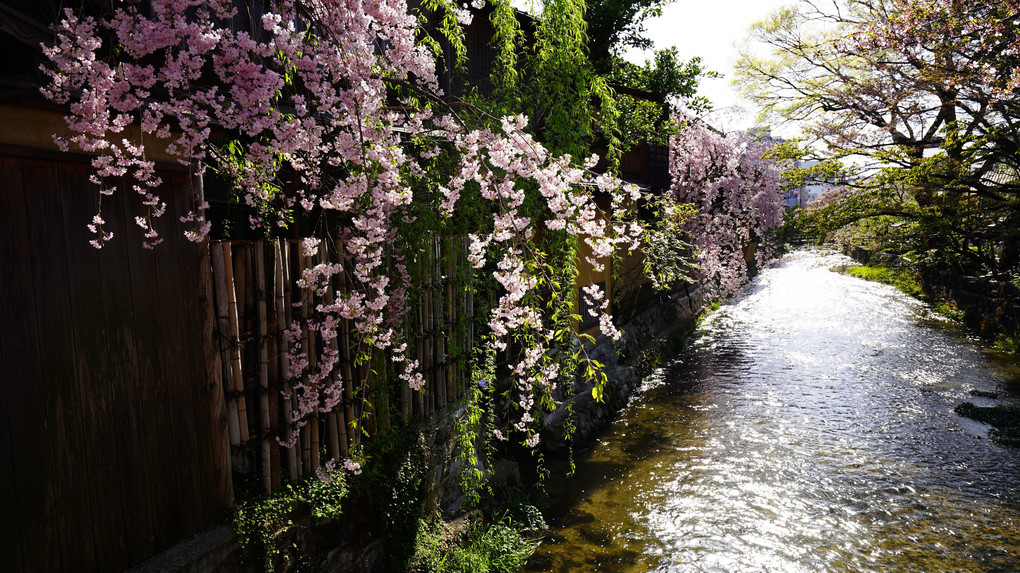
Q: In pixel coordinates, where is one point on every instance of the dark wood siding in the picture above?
(109, 450)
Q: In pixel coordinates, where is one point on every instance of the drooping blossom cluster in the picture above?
(735, 191)
(318, 99)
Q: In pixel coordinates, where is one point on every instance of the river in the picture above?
(807, 426)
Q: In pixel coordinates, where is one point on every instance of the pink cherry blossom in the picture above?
(305, 92)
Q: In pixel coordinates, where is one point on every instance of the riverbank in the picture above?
(1004, 420)
(649, 338)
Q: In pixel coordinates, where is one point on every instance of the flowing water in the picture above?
(808, 426)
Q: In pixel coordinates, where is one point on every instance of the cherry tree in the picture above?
(922, 95)
(332, 106)
(734, 188)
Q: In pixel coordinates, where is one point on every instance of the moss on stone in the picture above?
(1005, 421)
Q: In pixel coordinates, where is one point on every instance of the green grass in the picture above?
(903, 279)
(949, 310)
(1008, 343)
(707, 310)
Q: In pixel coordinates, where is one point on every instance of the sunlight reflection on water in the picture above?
(808, 427)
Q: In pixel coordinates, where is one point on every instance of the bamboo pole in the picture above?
(306, 431)
(225, 341)
(450, 330)
(333, 434)
(283, 307)
(469, 315)
(466, 321)
(419, 396)
(244, 281)
(429, 365)
(469, 312)
(437, 330)
(336, 431)
(248, 367)
(333, 429)
(348, 373)
(312, 353)
(462, 339)
(306, 449)
(405, 395)
(430, 356)
(273, 342)
(345, 412)
(437, 323)
(214, 376)
(470, 319)
(346, 358)
(442, 394)
(247, 323)
(405, 390)
(307, 303)
(235, 344)
(384, 391)
(368, 402)
(314, 439)
(263, 374)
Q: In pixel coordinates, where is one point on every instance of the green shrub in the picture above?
(517, 510)
(267, 528)
(284, 532)
(289, 531)
(1008, 343)
(498, 547)
(401, 467)
(708, 309)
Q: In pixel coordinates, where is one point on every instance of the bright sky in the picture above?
(710, 29)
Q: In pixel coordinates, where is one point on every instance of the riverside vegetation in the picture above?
(326, 122)
(297, 529)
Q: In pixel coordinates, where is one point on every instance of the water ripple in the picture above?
(808, 427)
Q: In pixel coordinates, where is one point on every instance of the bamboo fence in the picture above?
(257, 298)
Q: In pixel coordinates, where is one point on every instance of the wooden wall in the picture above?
(112, 441)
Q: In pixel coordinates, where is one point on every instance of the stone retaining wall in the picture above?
(990, 307)
(650, 336)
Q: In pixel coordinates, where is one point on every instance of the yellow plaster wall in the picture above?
(34, 127)
(587, 275)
